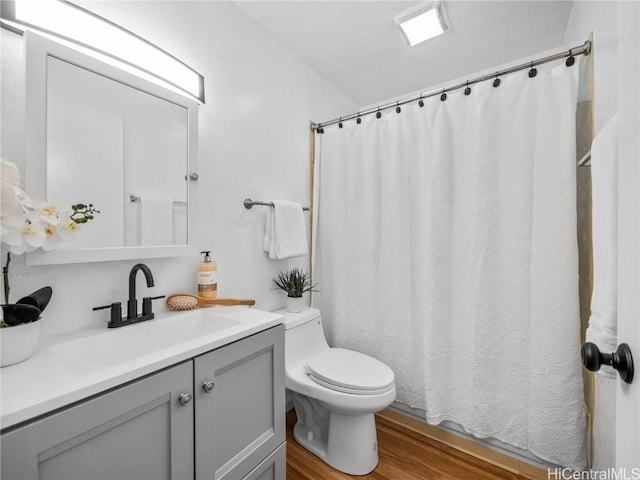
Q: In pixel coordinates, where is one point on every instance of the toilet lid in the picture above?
(350, 372)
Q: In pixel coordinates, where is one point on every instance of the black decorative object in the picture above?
(420, 103)
(496, 83)
(340, 125)
(398, 109)
(443, 97)
(19, 313)
(570, 60)
(378, 114)
(621, 360)
(358, 120)
(532, 71)
(39, 299)
(467, 91)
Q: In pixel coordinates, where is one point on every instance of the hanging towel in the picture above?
(285, 234)
(156, 221)
(603, 323)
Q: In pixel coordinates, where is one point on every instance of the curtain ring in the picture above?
(443, 97)
(340, 123)
(467, 91)
(358, 119)
(421, 102)
(378, 114)
(398, 109)
(532, 72)
(496, 82)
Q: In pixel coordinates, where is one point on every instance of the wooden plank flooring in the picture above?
(402, 457)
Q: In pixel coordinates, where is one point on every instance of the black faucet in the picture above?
(132, 303)
(116, 319)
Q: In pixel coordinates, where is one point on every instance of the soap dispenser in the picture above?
(207, 278)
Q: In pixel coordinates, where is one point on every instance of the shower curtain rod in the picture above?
(583, 49)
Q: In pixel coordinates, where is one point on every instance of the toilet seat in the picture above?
(350, 372)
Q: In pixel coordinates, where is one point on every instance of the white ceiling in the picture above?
(356, 46)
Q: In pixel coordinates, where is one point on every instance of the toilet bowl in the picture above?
(336, 393)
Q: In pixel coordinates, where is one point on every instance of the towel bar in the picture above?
(176, 203)
(248, 203)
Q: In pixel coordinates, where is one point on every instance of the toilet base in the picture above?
(351, 446)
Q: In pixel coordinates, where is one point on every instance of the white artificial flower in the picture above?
(52, 237)
(11, 215)
(47, 212)
(33, 234)
(25, 227)
(26, 238)
(67, 228)
(9, 173)
(12, 236)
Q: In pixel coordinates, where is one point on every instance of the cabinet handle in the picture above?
(208, 386)
(185, 399)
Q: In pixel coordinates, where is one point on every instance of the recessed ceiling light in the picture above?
(422, 22)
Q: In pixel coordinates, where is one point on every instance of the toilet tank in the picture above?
(303, 335)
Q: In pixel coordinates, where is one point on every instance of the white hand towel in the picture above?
(285, 233)
(156, 221)
(603, 323)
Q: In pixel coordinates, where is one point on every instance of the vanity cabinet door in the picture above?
(139, 431)
(240, 410)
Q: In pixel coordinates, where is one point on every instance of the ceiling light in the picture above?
(70, 22)
(422, 22)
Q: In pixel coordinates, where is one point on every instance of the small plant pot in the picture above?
(296, 304)
(18, 343)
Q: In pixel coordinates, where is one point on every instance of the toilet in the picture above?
(336, 393)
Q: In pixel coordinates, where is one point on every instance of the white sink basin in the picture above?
(152, 337)
(72, 366)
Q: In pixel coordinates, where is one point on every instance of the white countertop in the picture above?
(72, 366)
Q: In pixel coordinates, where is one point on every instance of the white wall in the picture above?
(600, 17)
(254, 142)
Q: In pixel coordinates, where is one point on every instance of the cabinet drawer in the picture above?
(138, 431)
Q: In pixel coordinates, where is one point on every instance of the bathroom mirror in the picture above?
(98, 134)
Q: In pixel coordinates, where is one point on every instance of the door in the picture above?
(140, 431)
(239, 401)
(628, 396)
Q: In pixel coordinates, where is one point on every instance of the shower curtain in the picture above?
(446, 248)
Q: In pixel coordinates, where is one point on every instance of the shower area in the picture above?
(452, 241)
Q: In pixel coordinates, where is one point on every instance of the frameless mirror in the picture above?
(98, 134)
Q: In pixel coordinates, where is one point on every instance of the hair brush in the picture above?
(185, 301)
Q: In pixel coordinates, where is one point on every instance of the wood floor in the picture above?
(402, 457)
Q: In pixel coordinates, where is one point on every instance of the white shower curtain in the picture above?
(446, 247)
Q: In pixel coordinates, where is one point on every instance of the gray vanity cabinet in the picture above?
(229, 402)
(139, 431)
(240, 409)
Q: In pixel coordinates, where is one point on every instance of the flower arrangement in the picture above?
(295, 282)
(26, 225)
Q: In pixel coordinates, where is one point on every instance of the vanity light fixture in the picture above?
(67, 21)
(422, 22)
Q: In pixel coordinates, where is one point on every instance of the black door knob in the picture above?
(621, 360)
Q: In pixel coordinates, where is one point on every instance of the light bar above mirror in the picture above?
(75, 24)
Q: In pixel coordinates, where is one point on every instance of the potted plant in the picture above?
(25, 227)
(295, 282)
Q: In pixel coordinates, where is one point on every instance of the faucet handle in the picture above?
(146, 304)
(116, 313)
